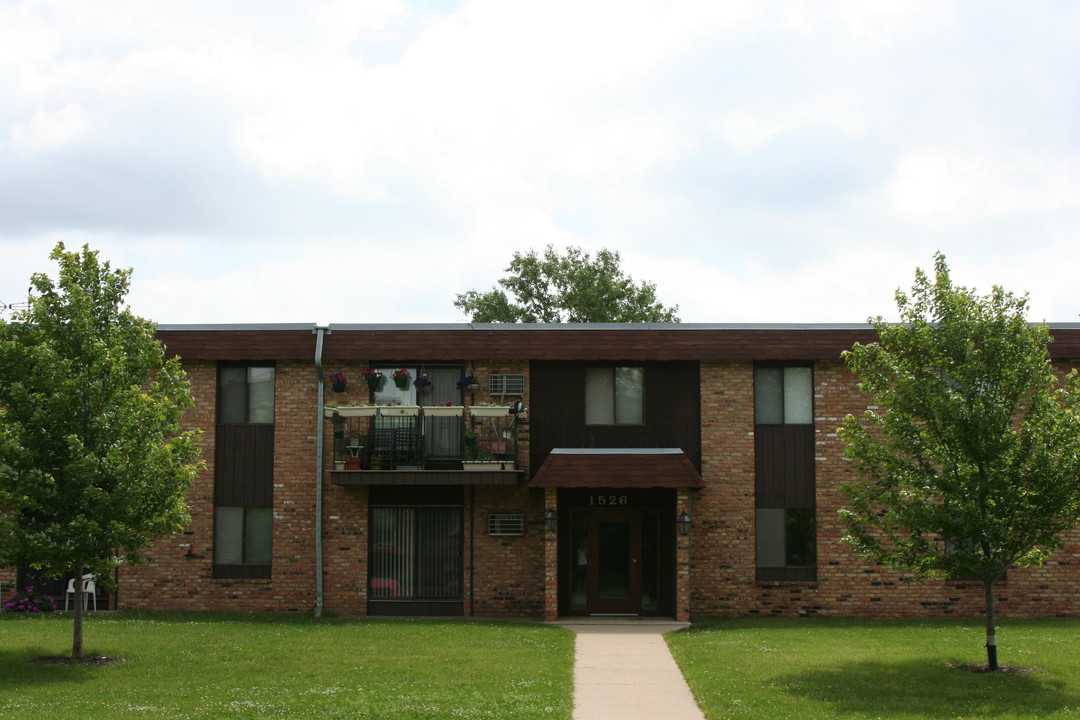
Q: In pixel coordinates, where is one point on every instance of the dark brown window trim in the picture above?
(241, 572)
(786, 575)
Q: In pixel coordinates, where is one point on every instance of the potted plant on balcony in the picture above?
(337, 381)
(409, 461)
(401, 379)
(374, 379)
(485, 461)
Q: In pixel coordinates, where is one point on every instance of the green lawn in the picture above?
(809, 668)
(179, 665)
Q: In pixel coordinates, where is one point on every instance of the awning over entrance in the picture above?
(617, 467)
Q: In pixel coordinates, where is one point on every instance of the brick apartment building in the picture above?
(656, 470)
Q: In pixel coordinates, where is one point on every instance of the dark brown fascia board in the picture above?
(457, 342)
(239, 342)
(617, 341)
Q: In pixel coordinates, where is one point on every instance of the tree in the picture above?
(974, 465)
(574, 287)
(93, 465)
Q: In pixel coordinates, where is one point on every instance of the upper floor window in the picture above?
(614, 396)
(246, 395)
(783, 395)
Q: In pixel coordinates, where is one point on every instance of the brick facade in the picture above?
(712, 569)
(723, 549)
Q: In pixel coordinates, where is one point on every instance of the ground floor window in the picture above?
(243, 537)
(416, 553)
(786, 544)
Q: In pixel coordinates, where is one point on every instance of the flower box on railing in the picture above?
(492, 411)
(399, 410)
(443, 410)
(351, 411)
(487, 465)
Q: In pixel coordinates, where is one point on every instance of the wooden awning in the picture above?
(617, 467)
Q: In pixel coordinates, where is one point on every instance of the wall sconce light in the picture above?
(551, 520)
(683, 523)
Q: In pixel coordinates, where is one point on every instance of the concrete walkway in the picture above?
(624, 671)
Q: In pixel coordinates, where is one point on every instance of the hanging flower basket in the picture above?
(423, 385)
(401, 379)
(469, 383)
(374, 379)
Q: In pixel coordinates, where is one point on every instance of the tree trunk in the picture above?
(77, 635)
(991, 637)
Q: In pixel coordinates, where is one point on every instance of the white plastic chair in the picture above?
(88, 589)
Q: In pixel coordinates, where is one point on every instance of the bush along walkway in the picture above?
(623, 670)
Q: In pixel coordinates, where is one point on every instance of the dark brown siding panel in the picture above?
(244, 465)
(784, 455)
(672, 410)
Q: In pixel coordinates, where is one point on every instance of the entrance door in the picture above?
(616, 551)
(615, 561)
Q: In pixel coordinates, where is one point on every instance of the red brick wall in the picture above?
(507, 571)
(179, 572)
(723, 536)
(514, 576)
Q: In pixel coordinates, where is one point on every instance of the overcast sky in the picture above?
(364, 161)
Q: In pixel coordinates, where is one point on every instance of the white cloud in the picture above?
(789, 161)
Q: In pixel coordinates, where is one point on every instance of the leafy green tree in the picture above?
(971, 464)
(574, 287)
(93, 464)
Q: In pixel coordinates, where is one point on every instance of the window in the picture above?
(391, 393)
(243, 472)
(785, 537)
(785, 527)
(246, 395)
(614, 396)
(783, 395)
(416, 553)
(242, 536)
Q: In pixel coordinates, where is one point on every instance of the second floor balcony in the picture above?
(375, 440)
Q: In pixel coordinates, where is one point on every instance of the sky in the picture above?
(363, 161)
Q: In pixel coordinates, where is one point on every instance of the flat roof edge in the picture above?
(527, 327)
(236, 327)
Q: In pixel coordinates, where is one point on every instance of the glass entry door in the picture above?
(616, 552)
(615, 561)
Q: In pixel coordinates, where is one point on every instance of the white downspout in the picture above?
(320, 332)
